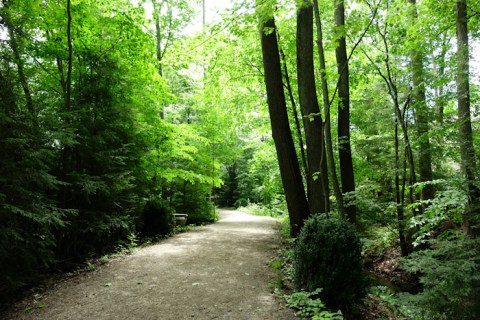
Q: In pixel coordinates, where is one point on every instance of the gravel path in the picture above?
(215, 272)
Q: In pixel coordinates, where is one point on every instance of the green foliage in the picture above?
(308, 306)
(378, 239)
(448, 205)
(450, 275)
(388, 303)
(72, 180)
(328, 256)
(157, 218)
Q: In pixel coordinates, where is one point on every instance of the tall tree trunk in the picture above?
(326, 108)
(160, 52)
(294, 111)
(287, 158)
(440, 89)
(421, 112)
(467, 151)
(68, 102)
(312, 118)
(67, 92)
(18, 60)
(398, 198)
(158, 36)
(344, 147)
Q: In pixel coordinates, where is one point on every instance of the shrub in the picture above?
(328, 256)
(450, 275)
(193, 199)
(157, 219)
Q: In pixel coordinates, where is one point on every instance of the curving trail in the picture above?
(215, 272)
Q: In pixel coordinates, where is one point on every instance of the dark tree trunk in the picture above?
(326, 107)
(467, 151)
(399, 199)
(295, 113)
(18, 60)
(160, 52)
(312, 119)
(70, 57)
(344, 148)
(67, 92)
(421, 114)
(287, 158)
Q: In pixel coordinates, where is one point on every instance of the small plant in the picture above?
(35, 306)
(328, 255)
(104, 259)
(90, 266)
(276, 266)
(308, 306)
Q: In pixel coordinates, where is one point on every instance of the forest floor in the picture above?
(218, 271)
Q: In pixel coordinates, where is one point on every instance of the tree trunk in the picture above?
(70, 57)
(312, 118)
(18, 60)
(467, 151)
(398, 198)
(326, 107)
(295, 113)
(344, 148)
(67, 91)
(160, 52)
(440, 89)
(390, 82)
(287, 158)
(421, 113)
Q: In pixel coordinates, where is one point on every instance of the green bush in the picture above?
(450, 275)
(328, 256)
(194, 200)
(158, 219)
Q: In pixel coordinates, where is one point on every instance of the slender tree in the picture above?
(421, 109)
(15, 46)
(298, 127)
(344, 147)
(467, 151)
(297, 204)
(312, 118)
(329, 154)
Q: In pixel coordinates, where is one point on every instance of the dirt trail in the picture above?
(214, 272)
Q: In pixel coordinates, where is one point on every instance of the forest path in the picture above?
(215, 272)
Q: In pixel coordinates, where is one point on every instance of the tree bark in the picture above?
(326, 108)
(70, 57)
(398, 198)
(440, 89)
(312, 118)
(467, 151)
(421, 112)
(344, 147)
(295, 113)
(287, 158)
(18, 60)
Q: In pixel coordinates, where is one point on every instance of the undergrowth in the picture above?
(306, 305)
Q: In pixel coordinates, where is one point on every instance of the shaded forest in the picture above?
(355, 122)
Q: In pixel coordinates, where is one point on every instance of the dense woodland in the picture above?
(362, 114)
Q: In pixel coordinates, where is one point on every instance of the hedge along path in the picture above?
(215, 272)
